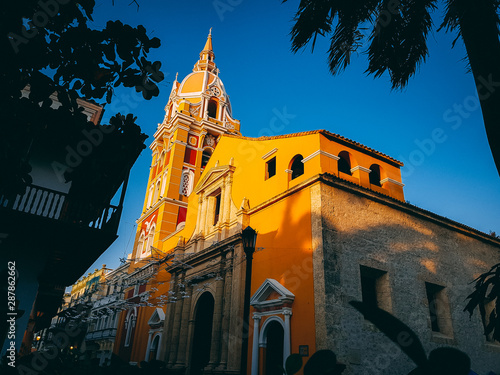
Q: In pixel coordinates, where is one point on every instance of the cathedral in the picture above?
(332, 226)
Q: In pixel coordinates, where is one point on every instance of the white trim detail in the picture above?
(273, 308)
(157, 204)
(259, 299)
(363, 169)
(180, 126)
(269, 153)
(392, 181)
(288, 171)
(180, 143)
(157, 317)
(129, 325)
(320, 152)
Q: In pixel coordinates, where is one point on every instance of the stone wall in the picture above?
(412, 247)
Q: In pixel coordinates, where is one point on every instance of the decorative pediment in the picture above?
(157, 318)
(213, 175)
(271, 294)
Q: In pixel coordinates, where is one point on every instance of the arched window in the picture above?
(296, 166)
(157, 191)
(164, 184)
(129, 326)
(150, 198)
(205, 157)
(187, 180)
(375, 175)
(147, 250)
(345, 163)
(212, 108)
(162, 159)
(140, 246)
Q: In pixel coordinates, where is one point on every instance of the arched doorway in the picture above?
(154, 348)
(274, 349)
(202, 338)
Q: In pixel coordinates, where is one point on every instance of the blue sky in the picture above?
(434, 126)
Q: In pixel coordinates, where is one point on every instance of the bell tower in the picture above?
(197, 113)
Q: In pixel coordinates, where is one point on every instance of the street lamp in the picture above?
(249, 238)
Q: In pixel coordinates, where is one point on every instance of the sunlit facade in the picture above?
(333, 226)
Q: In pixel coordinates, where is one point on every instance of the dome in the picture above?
(203, 82)
(202, 96)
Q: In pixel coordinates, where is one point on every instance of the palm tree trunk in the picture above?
(478, 25)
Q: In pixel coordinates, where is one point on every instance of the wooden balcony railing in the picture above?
(52, 204)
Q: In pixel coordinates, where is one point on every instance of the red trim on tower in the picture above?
(181, 217)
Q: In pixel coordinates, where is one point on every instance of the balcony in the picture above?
(66, 233)
(54, 205)
(102, 334)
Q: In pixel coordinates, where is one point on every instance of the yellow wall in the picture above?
(287, 258)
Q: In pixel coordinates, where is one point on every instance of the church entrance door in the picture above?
(202, 337)
(274, 349)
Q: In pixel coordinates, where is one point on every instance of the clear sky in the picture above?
(434, 126)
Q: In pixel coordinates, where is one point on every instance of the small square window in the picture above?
(489, 305)
(375, 289)
(439, 309)
(271, 168)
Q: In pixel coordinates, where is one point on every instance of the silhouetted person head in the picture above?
(445, 361)
(323, 362)
(449, 361)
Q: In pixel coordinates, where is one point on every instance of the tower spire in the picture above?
(207, 56)
(208, 43)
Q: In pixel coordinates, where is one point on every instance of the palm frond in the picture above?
(312, 18)
(347, 37)
(399, 40)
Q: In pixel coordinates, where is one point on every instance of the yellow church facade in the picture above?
(333, 226)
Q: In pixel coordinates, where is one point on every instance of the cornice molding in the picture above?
(319, 152)
(269, 153)
(392, 181)
(359, 167)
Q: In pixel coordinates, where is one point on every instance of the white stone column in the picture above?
(226, 195)
(198, 218)
(286, 337)
(146, 358)
(255, 345)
